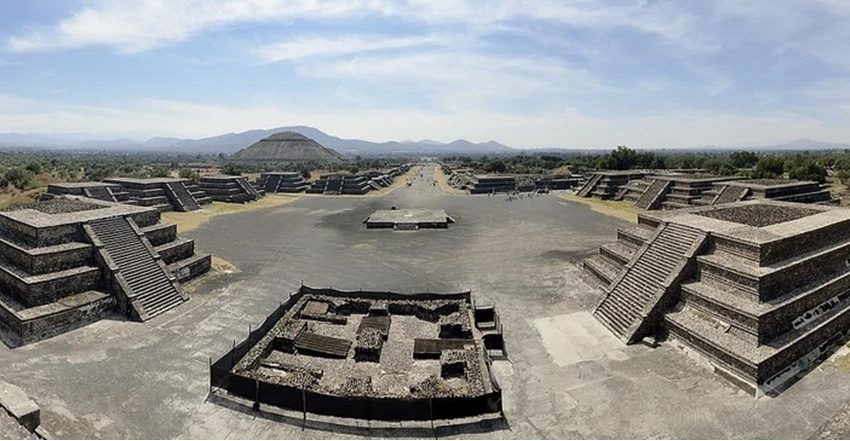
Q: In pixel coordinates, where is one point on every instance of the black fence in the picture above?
(366, 408)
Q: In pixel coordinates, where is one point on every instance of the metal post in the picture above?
(304, 403)
(431, 416)
(256, 395)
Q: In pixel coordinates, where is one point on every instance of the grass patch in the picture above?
(443, 181)
(620, 209)
(190, 220)
(12, 196)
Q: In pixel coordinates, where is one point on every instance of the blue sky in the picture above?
(526, 73)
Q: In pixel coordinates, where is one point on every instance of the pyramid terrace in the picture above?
(164, 194)
(758, 287)
(70, 261)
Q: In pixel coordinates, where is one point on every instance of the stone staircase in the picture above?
(181, 197)
(248, 188)
(147, 285)
(729, 194)
(101, 193)
(634, 302)
(652, 196)
(589, 185)
(272, 184)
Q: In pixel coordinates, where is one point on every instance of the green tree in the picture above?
(188, 173)
(743, 159)
(808, 171)
(18, 177)
(495, 166)
(34, 167)
(769, 167)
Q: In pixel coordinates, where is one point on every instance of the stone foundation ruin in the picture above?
(71, 260)
(760, 288)
(368, 355)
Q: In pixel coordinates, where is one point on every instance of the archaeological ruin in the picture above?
(759, 287)
(369, 355)
(70, 261)
(164, 194)
(282, 182)
(229, 188)
(670, 190)
(408, 219)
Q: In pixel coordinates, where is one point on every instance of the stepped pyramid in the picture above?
(287, 147)
(761, 288)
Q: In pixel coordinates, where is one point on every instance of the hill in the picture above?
(287, 146)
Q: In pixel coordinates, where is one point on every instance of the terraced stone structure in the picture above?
(809, 192)
(164, 194)
(492, 184)
(338, 183)
(367, 355)
(95, 190)
(282, 182)
(761, 288)
(668, 191)
(71, 261)
(609, 184)
(229, 188)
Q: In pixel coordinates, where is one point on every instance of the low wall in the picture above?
(366, 408)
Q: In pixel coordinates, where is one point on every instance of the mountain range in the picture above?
(232, 142)
(229, 143)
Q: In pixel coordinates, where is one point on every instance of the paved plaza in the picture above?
(566, 377)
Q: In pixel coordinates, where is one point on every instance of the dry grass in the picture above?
(619, 209)
(13, 196)
(188, 221)
(839, 190)
(443, 181)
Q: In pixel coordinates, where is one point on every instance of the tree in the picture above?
(188, 173)
(305, 173)
(808, 171)
(18, 177)
(495, 166)
(769, 167)
(621, 158)
(34, 167)
(743, 159)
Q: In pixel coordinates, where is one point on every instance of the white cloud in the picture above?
(309, 47)
(139, 25)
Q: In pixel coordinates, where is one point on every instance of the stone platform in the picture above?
(761, 288)
(70, 261)
(408, 219)
(230, 188)
(164, 194)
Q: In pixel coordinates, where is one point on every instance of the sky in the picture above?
(571, 74)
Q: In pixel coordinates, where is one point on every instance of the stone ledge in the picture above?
(20, 406)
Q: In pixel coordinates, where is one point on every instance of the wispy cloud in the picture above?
(309, 47)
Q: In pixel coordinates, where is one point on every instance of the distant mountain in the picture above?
(287, 146)
(232, 142)
(806, 144)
